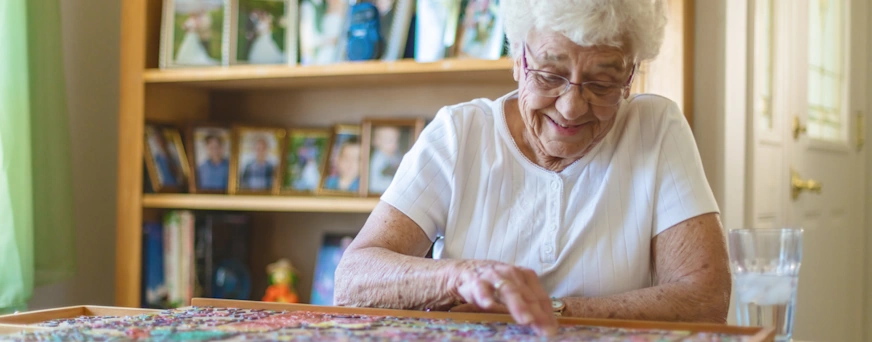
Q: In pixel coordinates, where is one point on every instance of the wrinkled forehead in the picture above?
(555, 48)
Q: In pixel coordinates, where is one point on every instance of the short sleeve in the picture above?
(423, 186)
(682, 190)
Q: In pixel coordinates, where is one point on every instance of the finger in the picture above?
(519, 308)
(544, 300)
(478, 292)
(539, 304)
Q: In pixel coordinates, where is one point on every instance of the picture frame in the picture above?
(322, 31)
(195, 33)
(329, 255)
(395, 19)
(255, 162)
(210, 150)
(341, 175)
(436, 29)
(480, 32)
(164, 158)
(304, 160)
(264, 32)
(385, 142)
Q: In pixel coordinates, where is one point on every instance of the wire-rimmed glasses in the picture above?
(598, 93)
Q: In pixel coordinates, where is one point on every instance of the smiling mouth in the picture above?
(562, 125)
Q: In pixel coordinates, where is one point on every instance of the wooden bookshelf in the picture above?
(259, 203)
(341, 74)
(281, 96)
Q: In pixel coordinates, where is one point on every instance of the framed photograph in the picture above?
(164, 159)
(209, 150)
(322, 31)
(304, 160)
(332, 248)
(436, 29)
(256, 160)
(395, 18)
(264, 32)
(341, 176)
(481, 30)
(195, 33)
(385, 143)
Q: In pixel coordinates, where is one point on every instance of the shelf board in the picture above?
(260, 203)
(336, 75)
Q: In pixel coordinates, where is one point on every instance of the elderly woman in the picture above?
(568, 194)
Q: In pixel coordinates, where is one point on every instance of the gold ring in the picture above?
(499, 284)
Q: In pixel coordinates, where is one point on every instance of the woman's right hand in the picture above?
(496, 286)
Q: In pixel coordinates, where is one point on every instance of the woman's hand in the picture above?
(497, 287)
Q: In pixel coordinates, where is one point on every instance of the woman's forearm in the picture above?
(685, 302)
(377, 277)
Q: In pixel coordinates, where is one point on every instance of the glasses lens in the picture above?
(603, 94)
(546, 84)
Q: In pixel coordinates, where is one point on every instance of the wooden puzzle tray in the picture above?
(230, 319)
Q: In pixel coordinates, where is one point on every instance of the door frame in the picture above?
(868, 139)
(721, 35)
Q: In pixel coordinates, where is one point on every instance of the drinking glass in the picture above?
(765, 265)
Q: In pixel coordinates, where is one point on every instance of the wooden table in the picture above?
(27, 321)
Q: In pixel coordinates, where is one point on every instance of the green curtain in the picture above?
(37, 231)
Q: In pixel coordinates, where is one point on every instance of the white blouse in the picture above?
(587, 230)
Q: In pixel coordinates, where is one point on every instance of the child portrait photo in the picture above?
(211, 159)
(305, 158)
(386, 142)
(194, 32)
(164, 169)
(342, 174)
(257, 160)
(481, 32)
(322, 26)
(265, 31)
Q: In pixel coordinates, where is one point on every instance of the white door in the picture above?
(808, 76)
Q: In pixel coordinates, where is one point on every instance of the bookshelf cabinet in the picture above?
(280, 96)
(289, 96)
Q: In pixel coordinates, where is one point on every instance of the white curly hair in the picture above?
(636, 26)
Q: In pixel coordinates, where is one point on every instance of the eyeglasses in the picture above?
(547, 84)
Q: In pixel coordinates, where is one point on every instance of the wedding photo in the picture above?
(195, 34)
(305, 158)
(210, 157)
(342, 174)
(255, 163)
(265, 31)
(322, 26)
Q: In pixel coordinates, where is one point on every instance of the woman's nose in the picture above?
(572, 105)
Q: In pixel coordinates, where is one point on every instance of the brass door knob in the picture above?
(798, 185)
(798, 128)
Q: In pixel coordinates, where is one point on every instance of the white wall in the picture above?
(91, 57)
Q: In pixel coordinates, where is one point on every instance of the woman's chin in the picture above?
(566, 149)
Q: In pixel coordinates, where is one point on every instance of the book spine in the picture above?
(190, 258)
(170, 259)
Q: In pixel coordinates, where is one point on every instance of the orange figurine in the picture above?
(282, 279)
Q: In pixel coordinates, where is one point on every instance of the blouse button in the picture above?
(548, 249)
(554, 185)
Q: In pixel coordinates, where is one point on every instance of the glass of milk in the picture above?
(765, 265)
